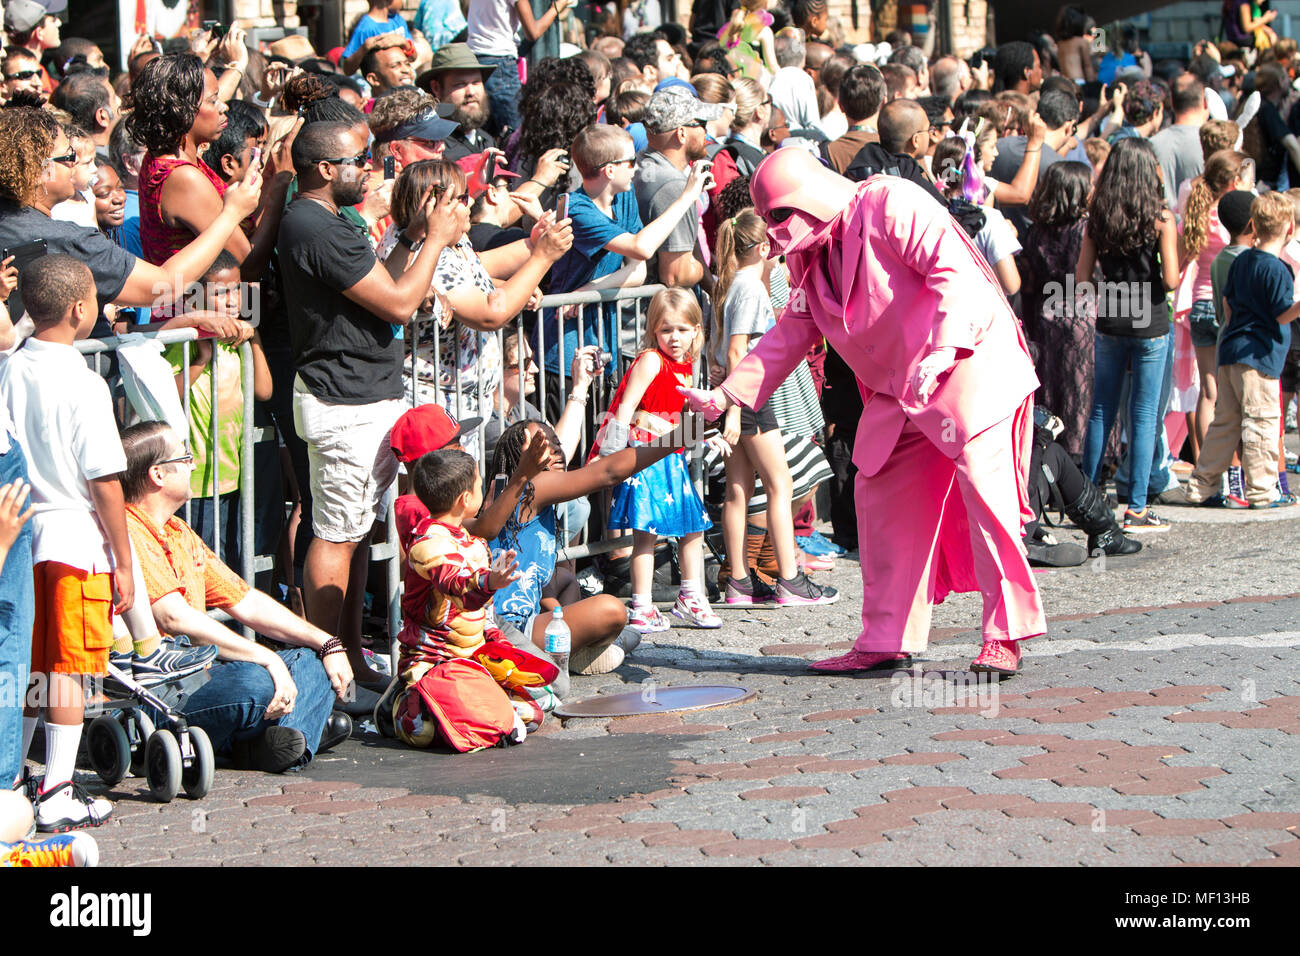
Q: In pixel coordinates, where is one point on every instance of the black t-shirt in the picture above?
(873, 159)
(109, 263)
(1131, 297)
(345, 354)
(488, 235)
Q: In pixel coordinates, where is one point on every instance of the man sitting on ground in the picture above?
(267, 711)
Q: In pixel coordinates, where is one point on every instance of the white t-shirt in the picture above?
(996, 241)
(63, 417)
(492, 27)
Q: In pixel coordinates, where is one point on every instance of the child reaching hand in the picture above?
(660, 501)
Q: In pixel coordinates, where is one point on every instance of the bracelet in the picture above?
(537, 181)
(575, 398)
(333, 646)
(1036, 149)
(404, 240)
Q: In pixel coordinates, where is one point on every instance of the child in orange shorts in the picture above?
(63, 416)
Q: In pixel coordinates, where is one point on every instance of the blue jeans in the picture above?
(17, 609)
(1162, 478)
(503, 91)
(232, 704)
(1114, 355)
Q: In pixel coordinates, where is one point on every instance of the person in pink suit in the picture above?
(897, 289)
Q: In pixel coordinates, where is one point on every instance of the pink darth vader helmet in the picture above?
(795, 194)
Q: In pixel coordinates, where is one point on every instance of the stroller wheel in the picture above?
(139, 730)
(108, 749)
(197, 776)
(162, 761)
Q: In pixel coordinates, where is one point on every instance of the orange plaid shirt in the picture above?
(174, 558)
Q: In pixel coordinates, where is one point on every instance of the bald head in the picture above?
(899, 122)
(816, 55)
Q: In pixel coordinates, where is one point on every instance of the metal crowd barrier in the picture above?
(485, 400)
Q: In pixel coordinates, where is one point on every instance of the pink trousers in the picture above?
(929, 524)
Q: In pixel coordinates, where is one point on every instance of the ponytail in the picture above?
(1222, 170)
(737, 237)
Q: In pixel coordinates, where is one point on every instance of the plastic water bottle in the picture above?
(558, 640)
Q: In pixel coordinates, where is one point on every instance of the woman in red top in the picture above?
(178, 111)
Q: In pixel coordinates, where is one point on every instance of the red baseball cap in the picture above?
(426, 428)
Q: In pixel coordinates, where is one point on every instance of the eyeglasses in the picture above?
(23, 75)
(629, 163)
(359, 160)
(463, 199)
(698, 124)
(67, 159)
(180, 459)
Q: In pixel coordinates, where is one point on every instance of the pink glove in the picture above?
(926, 377)
(710, 403)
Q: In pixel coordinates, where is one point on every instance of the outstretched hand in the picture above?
(710, 403)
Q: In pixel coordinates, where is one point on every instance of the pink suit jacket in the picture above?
(897, 278)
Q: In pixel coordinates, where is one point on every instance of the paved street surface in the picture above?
(1158, 723)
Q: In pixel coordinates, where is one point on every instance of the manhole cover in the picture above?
(663, 700)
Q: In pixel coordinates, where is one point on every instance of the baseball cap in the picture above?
(426, 124)
(22, 15)
(1234, 211)
(426, 428)
(673, 107)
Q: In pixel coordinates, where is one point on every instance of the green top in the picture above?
(230, 428)
(1219, 278)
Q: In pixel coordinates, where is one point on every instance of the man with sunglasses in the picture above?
(344, 311)
(32, 25)
(22, 71)
(674, 122)
(409, 126)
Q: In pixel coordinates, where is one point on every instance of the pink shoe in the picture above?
(814, 562)
(858, 661)
(998, 657)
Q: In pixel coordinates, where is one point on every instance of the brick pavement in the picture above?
(1157, 724)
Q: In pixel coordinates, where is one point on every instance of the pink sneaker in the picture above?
(998, 657)
(814, 562)
(694, 609)
(647, 620)
(858, 661)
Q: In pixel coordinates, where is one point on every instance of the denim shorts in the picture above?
(1204, 324)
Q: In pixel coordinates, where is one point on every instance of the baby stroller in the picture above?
(140, 730)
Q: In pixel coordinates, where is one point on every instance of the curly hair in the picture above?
(166, 97)
(733, 198)
(1222, 170)
(1128, 200)
(304, 89)
(554, 119)
(27, 136)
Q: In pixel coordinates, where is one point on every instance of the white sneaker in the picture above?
(694, 609)
(69, 807)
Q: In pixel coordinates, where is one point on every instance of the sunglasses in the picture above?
(463, 199)
(24, 75)
(629, 163)
(67, 159)
(177, 460)
(359, 160)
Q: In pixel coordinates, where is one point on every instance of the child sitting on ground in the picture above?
(1259, 305)
(459, 581)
